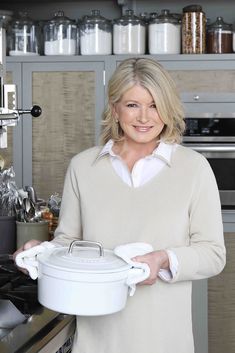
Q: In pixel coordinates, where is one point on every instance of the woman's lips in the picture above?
(143, 128)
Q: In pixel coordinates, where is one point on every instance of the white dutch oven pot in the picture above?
(83, 280)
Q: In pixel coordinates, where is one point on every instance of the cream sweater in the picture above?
(178, 209)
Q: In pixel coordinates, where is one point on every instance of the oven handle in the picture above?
(213, 148)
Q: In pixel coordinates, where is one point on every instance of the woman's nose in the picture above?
(143, 116)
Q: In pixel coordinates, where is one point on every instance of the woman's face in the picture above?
(138, 116)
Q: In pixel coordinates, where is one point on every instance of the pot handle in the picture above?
(86, 242)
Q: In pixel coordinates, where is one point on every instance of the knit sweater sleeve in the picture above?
(69, 227)
(205, 255)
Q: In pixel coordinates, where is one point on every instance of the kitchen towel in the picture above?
(28, 258)
(127, 252)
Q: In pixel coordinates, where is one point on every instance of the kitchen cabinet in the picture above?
(221, 304)
(206, 83)
(71, 95)
(12, 155)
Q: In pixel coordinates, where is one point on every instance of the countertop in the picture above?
(33, 335)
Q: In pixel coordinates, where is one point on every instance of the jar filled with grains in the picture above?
(234, 38)
(193, 30)
(219, 37)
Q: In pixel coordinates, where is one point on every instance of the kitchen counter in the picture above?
(42, 331)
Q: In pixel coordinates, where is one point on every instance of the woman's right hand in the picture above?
(29, 244)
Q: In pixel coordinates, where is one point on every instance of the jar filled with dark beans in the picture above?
(193, 30)
(219, 37)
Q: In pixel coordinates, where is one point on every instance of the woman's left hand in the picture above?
(156, 260)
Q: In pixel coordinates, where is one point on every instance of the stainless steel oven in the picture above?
(213, 135)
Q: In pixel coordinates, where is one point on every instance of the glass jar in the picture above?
(95, 35)
(60, 35)
(165, 34)
(219, 37)
(234, 38)
(5, 19)
(129, 34)
(193, 30)
(144, 16)
(23, 36)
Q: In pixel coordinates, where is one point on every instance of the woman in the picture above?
(142, 185)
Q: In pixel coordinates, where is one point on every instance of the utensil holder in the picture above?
(31, 230)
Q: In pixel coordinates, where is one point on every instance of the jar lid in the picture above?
(165, 17)
(220, 25)
(153, 15)
(192, 8)
(22, 19)
(84, 259)
(5, 17)
(144, 17)
(128, 18)
(60, 18)
(95, 18)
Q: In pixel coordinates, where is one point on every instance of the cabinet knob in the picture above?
(196, 98)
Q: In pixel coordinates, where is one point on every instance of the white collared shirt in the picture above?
(145, 169)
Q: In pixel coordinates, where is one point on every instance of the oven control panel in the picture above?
(210, 127)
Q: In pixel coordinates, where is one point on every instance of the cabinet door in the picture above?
(13, 153)
(221, 304)
(71, 96)
(205, 86)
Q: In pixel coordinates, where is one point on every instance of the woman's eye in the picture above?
(131, 105)
(153, 106)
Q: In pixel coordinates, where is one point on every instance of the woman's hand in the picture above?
(156, 260)
(29, 244)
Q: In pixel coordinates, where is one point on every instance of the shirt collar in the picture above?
(163, 151)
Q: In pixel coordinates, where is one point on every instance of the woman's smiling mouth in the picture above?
(142, 128)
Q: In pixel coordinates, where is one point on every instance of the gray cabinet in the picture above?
(13, 153)
(205, 82)
(71, 95)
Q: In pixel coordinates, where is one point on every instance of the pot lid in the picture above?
(80, 258)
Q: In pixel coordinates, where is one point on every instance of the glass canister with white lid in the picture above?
(219, 37)
(164, 34)
(129, 34)
(23, 37)
(60, 35)
(95, 35)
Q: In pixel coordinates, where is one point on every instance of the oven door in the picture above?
(221, 157)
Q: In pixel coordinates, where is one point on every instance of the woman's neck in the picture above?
(130, 153)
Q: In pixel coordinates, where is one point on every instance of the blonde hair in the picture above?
(152, 76)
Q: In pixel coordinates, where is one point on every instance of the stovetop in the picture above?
(37, 325)
(18, 287)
